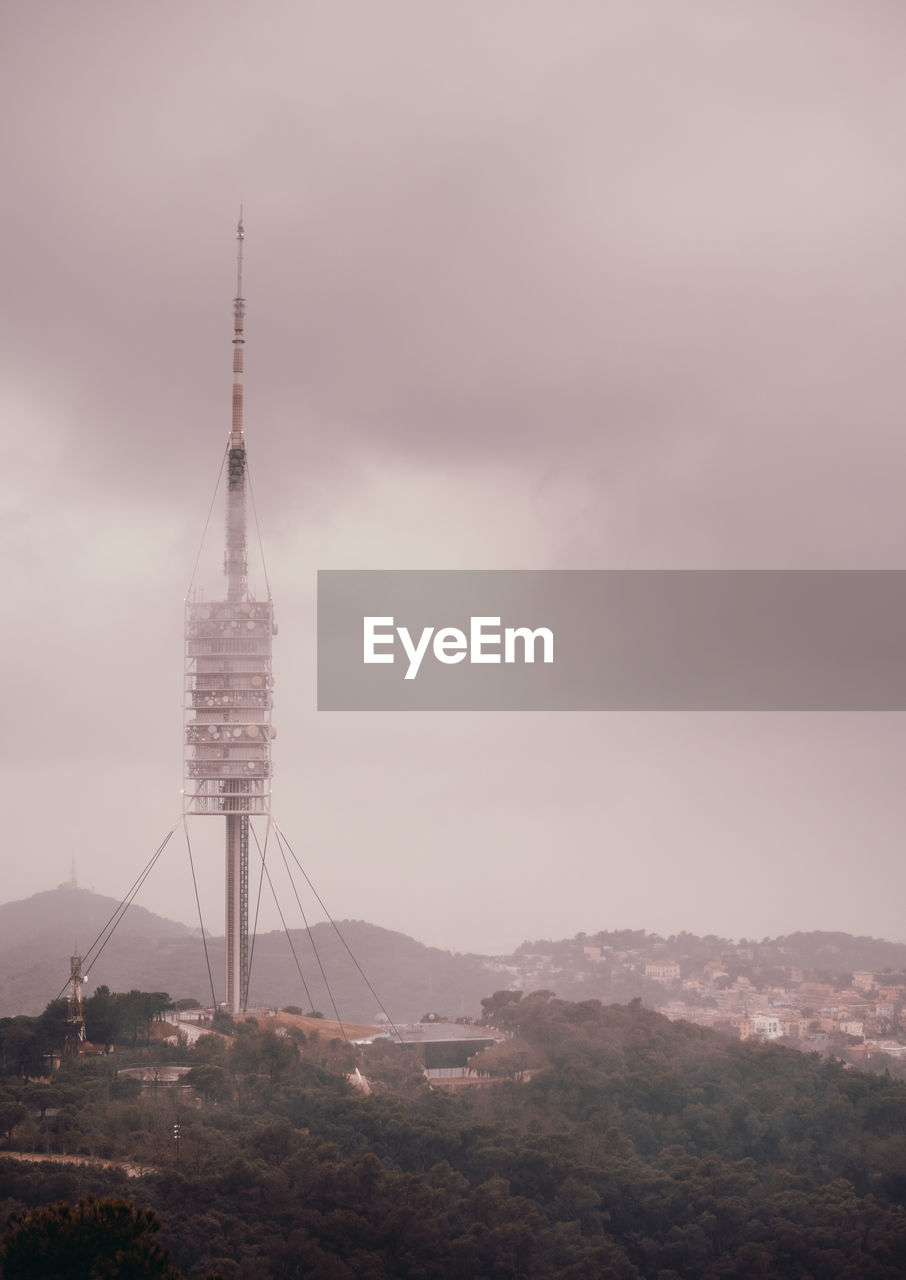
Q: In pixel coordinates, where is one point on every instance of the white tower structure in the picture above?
(75, 1014)
(227, 708)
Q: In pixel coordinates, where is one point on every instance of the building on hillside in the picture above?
(765, 1026)
(852, 1027)
(892, 1048)
(793, 1026)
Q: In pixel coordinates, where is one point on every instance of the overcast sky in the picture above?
(594, 285)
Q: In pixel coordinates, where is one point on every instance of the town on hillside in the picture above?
(798, 989)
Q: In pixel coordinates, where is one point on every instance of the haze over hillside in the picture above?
(40, 933)
(407, 978)
(79, 912)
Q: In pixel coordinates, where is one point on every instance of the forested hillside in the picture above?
(638, 1148)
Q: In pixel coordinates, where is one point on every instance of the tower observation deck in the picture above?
(228, 691)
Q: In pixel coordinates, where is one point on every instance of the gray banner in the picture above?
(610, 640)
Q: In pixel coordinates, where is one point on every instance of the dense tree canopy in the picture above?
(91, 1240)
(637, 1148)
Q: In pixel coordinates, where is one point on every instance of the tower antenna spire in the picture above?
(236, 438)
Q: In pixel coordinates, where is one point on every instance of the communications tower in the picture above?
(228, 684)
(74, 1011)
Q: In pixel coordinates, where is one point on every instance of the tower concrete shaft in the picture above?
(237, 912)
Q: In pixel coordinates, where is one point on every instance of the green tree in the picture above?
(21, 1047)
(138, 1009)
(91, 1240)
(42, 1097)
(495, 1004)
(223, 1022)
(211, 1081)
(54, 1028)
(103, 1017)
(12, 1112)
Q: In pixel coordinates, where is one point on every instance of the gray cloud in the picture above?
(617, 285)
